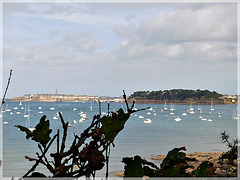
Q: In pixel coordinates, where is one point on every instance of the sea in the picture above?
(163, 133)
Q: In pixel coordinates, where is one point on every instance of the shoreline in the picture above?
(136, 101)
(199, 156)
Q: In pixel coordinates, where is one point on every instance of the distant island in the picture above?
(182, 96)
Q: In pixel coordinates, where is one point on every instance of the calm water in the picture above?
(146, 140)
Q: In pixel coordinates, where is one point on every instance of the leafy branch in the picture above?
(81, 159)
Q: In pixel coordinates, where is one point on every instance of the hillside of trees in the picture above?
(177, 95)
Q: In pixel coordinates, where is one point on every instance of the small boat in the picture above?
(40, 112)
(141, 117)
(212, 109)
(22, 107)
(5, 122)
(52, 108)
(171, 113)
(55, 117)
(184, 114)
(165, 106)
(15, 108)
(147, 121)
(74, 109)
(172, 107)
(148, 113)
(69, 125)
(20, 103)
(18, 112)
(203, 119)
(191, 108)
(235, 115)
(177, 119)
(210, 120)
(74, 122)
(200, 117)
(155, 114)
(150, 109)
(191, 112)
(91, 106)
(39, 107)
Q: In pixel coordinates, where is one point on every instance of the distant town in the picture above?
(57, 97)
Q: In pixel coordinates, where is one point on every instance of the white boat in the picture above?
(171, 113)
(177, 119)
(16, 108)
(91, 106)
(212, 109)
(235, 115)
(172, 107)
(200, 117)
(150, 109)
(7, 109)
(190, 107)
(210, 120)
(28, 123)
(103, 113)
(135, 115)
(155, 114)
(191, 112)
(39, 107)
(148, 113)
(81, 120)
(40, 112)
(20, 103)
(184, 114)
(165, 106)
(147, 121)
(5, 122)
(22, 107)
(140, 117)
(74, 109)
(203, 119)
(52, 108)
(18, 112)
(74, 122)
(55, 117)
(26, 112)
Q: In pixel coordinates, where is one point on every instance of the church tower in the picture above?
(56, 91)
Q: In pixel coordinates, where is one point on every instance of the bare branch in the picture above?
(3, 99)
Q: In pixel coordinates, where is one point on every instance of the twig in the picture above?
(10, 75)
(40, 158)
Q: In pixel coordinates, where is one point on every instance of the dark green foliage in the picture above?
(175, 94)
(40, 133)
(173, 165)
(112, 125)
(229, 158)
(205, 169)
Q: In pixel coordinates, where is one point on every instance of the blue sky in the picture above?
(103, 48)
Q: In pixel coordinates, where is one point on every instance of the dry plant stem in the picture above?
(40, 158)
(10, 75)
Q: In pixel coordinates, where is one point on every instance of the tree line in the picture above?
(175, 94)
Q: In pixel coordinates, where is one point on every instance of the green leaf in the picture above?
(25, 129)
(112, 125)
(133, 167)
(205, 169)
(42, 131)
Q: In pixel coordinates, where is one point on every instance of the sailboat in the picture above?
(20, 103)
(165, 106)
(91, 106)
(235, 114)
(212, 109)
(26, 112)
(28, 122)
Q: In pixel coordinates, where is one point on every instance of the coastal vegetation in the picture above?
(180, 96)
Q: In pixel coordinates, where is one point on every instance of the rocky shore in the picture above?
(200, 157)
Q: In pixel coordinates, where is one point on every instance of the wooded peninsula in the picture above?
(182, 96)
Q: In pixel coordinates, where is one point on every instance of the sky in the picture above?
(103, 48)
